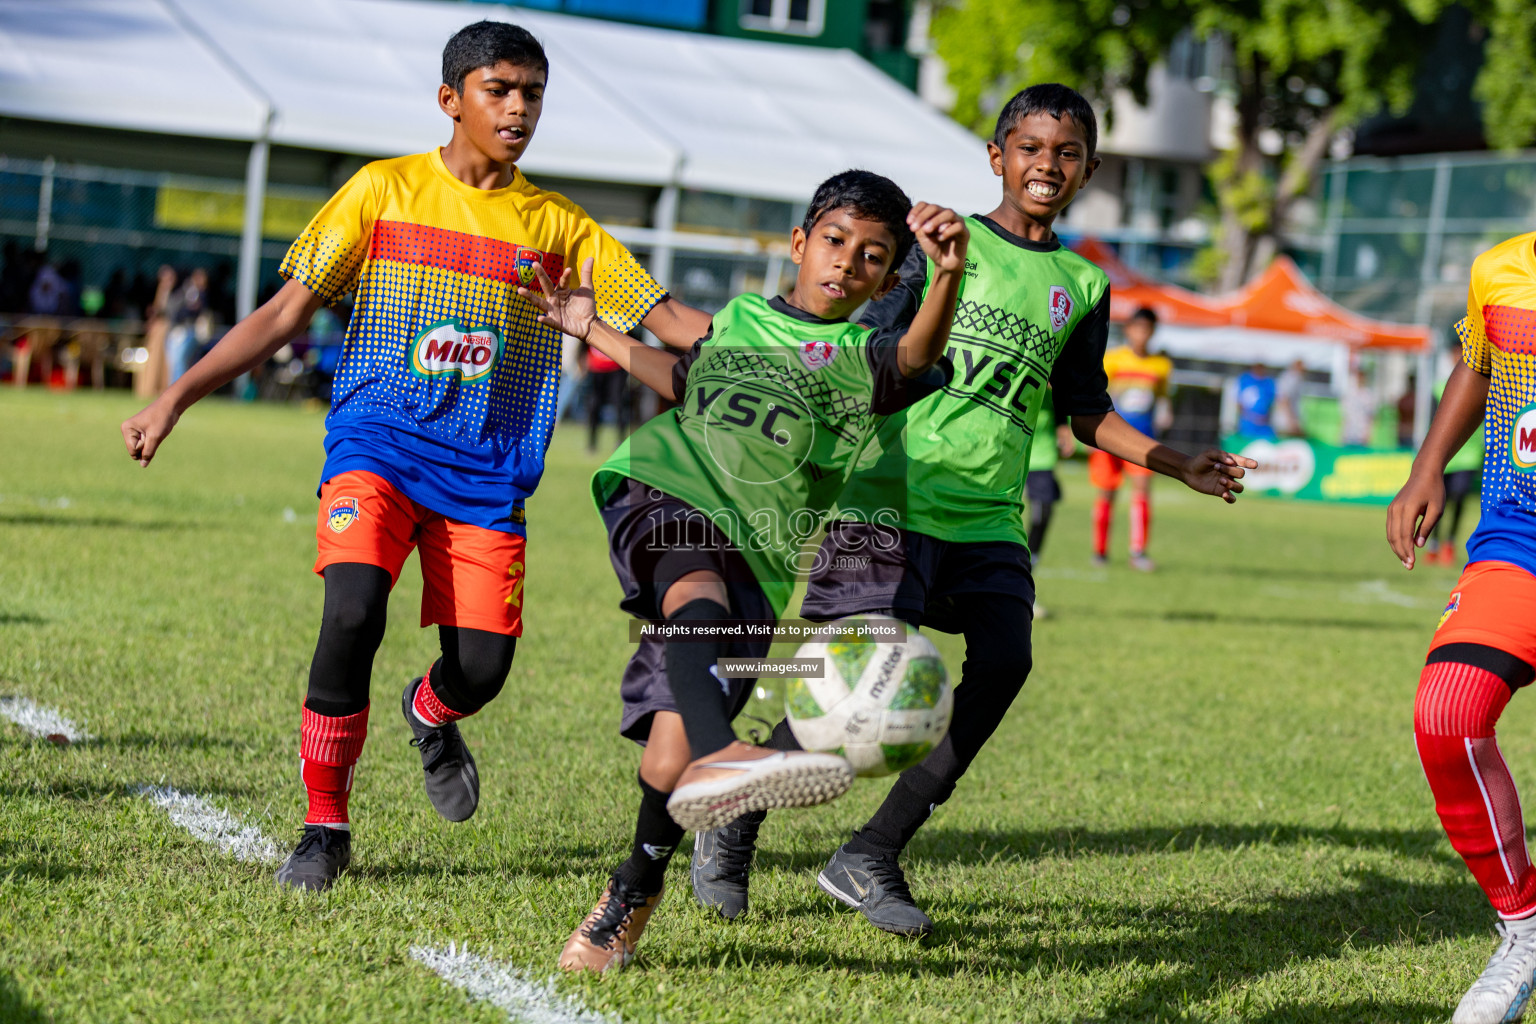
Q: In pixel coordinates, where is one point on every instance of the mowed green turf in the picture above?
(1204, 806)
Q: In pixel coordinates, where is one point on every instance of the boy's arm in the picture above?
(1211, 472)
(246, 346)
(1417, 507)
(676, 324)
(574, 312)
(943, 236)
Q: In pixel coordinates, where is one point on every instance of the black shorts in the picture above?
(863, 568)
(1041, 487)
(1460, 483)
(653, 540)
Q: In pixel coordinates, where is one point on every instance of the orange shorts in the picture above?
(1493, 604)
(1106, 472)
(472, 577)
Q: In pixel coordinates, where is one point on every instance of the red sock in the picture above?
(1103, 511)
(1453, 723)
(328, 751)
(1141, 523)
(431, 710)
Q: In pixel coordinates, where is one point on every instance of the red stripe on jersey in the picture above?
(397, 241)
(1510, 328)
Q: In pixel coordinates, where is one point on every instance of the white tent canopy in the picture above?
(626, 104)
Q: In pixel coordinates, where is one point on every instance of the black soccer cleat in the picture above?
(319, 859)
(876, 887)
(453, 784)
(722, 860)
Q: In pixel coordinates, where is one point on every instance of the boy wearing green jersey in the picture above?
(708, 505)
(930, 527)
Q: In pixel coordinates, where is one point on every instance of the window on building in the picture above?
(795, 17)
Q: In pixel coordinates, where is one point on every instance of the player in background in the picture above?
(1484, 648)
(441, 411)
(1461, 474)
(1138, 383)
(701, 506)
(935, 509)
(1052, 441)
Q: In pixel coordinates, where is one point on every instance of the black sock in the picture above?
(656, 838)
(905, 809)
(782, 737)
(696, 691)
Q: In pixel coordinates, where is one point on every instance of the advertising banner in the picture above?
(1294, 467)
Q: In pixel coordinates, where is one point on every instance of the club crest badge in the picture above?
(526, 258)
(1061, 307)
(342, 514)
(1453, 606)
(816, 354)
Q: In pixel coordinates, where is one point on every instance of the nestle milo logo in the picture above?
(447, 348)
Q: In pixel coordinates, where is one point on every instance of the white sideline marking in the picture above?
(213, 825)
(40, 721)
(522, 998)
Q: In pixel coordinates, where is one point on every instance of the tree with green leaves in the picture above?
(1301, 72)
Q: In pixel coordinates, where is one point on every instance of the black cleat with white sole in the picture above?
(876, 887)
(319, 859)
(453, 784)
(722, 860)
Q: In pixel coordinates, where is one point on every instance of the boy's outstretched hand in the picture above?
(942, 234)
(1216, 472)
(570, 311)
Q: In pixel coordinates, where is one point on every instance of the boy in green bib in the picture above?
(708, 506)
(930, 528)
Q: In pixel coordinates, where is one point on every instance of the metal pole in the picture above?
(247, 274)
(1338, 180)
(44, 207)
(665, 216)
(1429, 273)
(772, 274)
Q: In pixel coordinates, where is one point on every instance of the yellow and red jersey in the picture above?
(1498, 339)
(1136, 383)
(447, 382)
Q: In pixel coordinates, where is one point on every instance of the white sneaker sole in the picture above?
(804, 780)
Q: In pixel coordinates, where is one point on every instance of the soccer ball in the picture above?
(881, 705)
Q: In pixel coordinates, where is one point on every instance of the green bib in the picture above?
(953, 465)
(772, 416)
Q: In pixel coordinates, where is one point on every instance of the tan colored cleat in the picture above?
(719, 788)
(606, 939)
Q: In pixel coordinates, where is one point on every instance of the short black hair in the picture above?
(486, 44)
(868, 196)
(1145, 313)
(1057, 100)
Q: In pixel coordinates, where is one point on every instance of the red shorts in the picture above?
(1493, 604)
(472, 577)
(1106, 472)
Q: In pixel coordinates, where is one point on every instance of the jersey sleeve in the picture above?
(893, 390)
(626, 292)
(1475, 350)
(328, 256)
(898, 306)
(1078, 378)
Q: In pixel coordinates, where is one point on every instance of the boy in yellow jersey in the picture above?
(1138, 383)
(441, 410)
(1484, 648)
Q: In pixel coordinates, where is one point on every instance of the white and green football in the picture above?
(883, 706)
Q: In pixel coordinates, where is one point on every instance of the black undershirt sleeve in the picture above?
(1078, 381)
(893, 390)
(898, 306)
(687, 359)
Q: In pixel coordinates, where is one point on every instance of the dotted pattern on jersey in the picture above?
(839, 409)
(1507, 339)
(1008, 327)
(321, 260)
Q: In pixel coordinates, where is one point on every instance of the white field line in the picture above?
(212, 824)
(39, 720)
(524, 1000)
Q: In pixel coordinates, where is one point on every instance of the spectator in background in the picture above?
(1256, 403)
(570, 374)
(187, 305)
(49, 294)
(115, 297)
(1286, 417)
(1407, 408)
(1357, 415)
(150, 380)
(16, 277)
(607, 384)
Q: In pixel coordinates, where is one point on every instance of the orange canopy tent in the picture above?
(1280, 299)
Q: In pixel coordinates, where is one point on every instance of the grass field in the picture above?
(1205, 806)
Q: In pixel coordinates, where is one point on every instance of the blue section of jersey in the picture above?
(1142, 421)
(1505, 533)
